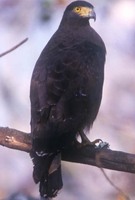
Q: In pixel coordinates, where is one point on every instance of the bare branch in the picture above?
(13, 48)
(15, 139)
(100, 157)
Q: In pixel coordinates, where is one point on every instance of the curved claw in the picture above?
(103, 145)
(87, 142)
(98, 143)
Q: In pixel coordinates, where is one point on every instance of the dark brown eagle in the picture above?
(66, 92)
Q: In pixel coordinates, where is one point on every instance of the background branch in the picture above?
(13, 48)
(100, 157)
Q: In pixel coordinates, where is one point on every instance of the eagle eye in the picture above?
(77, 9)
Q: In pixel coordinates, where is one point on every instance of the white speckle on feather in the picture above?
(41, 153)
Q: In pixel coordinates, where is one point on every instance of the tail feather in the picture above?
(47, 172)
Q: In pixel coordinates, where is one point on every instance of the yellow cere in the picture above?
(82, 11)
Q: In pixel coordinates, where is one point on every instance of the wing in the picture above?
(49, 82)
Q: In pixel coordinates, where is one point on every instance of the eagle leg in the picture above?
(86, 141)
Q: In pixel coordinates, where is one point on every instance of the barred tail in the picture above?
(47, 172)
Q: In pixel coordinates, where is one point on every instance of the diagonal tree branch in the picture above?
(13, 48)
(100, 157)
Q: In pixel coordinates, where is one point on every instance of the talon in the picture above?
(97, 141)
(103, 145)
(86, 141)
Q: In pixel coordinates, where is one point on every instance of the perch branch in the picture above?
(100, 157)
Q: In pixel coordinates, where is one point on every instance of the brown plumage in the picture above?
(66, 91)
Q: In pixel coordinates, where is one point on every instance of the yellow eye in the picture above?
(77, 9)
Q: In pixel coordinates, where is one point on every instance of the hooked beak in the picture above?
(92, 15)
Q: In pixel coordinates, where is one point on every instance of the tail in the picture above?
(47, 172)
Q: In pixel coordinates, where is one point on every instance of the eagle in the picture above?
(65, 93)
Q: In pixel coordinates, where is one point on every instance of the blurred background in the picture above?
(115, 124)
